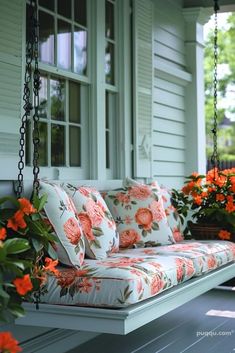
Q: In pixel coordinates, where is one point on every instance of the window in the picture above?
(111, 94)
(79, 43)
(63, 110)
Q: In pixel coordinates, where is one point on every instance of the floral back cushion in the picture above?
(61, 214)
(98, 225)
(172, 214)
(139, 214)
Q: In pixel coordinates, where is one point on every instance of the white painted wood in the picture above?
(172, 181)
(169, 86)
(195, 121)
(164, 111)
(168, 154)
(168, 126)
(166, 168)
(123, 321)
(167, 71)
(167, 98)
(168, 140)
(143, 86)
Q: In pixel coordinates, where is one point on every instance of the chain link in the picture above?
(215, 155)
(36, 88)
(27, 104)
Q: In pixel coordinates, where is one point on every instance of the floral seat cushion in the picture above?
(206, 255)
(120, 280)
(133, 275)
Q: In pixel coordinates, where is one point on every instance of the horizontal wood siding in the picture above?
(169, 96)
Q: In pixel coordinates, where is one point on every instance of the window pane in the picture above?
(74, 102)
(46, 38)
(43, 160)
(64, 8)
(64, 45)
(57, 93)
(109, 20)
(74, 146)
(80, 51)
(109, 63)
(43, 98)
(80, 12)
(57, 145)
(49, 4)
(107, 150)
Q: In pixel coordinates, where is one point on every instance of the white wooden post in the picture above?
(195, 18)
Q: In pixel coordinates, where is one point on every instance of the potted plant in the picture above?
(209, 199)
(26, 255)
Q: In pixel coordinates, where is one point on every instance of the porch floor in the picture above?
(185, 329)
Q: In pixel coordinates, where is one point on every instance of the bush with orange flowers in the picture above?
(209, 199)
(26, 255)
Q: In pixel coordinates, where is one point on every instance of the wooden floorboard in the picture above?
(186, 329)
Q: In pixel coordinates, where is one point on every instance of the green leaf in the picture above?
(51, 252)
(2, 253)
(38, 246)
(16, 310)
(16, 245)
(42, 202)
(63, 292)
(22, 264)
(96, 243)
(155, 226)
(97, 231)
(4, 294)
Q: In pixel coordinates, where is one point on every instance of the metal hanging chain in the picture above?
(27, 104)
(215, 155)
(36, 88)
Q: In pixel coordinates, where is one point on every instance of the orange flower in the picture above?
(198, 200)
(26, 207)
(23, 285)
(230, 207)
(204, 194)
(3, 233)
(50, 265)
(224, 234)
(220, 197)
(17, 221)
(188, 187)
(8, 344)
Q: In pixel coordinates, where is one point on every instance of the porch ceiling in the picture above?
(225, 5)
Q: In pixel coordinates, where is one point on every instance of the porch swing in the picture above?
(95, 319)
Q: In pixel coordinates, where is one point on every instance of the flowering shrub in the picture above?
(210, 198)
(26, 255)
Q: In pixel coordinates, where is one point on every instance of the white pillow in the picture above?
(60, 212)
(139, 214)
(98, 225)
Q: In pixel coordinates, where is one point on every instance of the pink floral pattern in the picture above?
(139, 214)
(133, 275)
(59, 213)
(172, 214)
(98, 225)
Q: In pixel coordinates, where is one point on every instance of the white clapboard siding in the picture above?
(164, 111)
(143, 87)
(11, 42)
(167, 98)
(168, 154)
(168, 126)
(166, 168)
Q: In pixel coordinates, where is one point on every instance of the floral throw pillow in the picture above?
(98, 225)
(60, 212)
(172, 214)
(139, 214)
